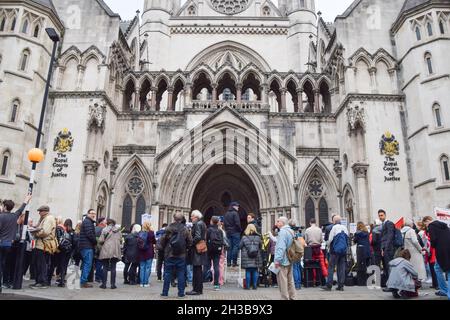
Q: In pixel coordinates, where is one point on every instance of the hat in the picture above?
(234, 204)
(44, 209)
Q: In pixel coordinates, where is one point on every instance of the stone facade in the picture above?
(191, 105)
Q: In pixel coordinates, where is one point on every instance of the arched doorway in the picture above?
(222, 184)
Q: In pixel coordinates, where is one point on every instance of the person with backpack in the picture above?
(251, 259)
(411, 243)
(198, 252)
(215, 244)
(97, 267)
(174, 243)
(296, 265)
(285, 278)
(159, 252)
(64, 252)
(146, 245)
(87, 244)
(375, 242)
(388, 232)
(76, 244)
(131, 256)
(233, 228)
(66, 249)
(110, 251)
(338, 244)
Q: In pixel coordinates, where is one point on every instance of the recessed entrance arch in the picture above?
(222, 184)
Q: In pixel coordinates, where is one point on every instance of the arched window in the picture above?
(430, 29)
(310, 211)
(14, 111)
(140, 207)
(418, 34)
(445, 163)
(429, 63)
(25, 26)
(437, 115)
(2, 23)
(13, 24)
(127, 212)
(36, 31)
(323, 212)
(24, 60)
(5, 162)
(441, 27)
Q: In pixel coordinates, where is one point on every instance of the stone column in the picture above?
(393, 78)
(60, 77)
(170, 106)
(338, 171)
(316, 101)
(154, 93)
(137, 99)
(80, 76)
(373, 79)
(360, 172)
(283, 100)
(90, 172)
(214, 93)
(239, 93)
(300, 100)
(264, 94)
(188, 95)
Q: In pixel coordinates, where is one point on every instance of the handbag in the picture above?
(201, 247)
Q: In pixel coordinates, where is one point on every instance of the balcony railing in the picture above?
(244, 105)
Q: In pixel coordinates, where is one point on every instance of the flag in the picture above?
(399, 224)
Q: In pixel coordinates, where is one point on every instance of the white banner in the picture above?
(442, 215)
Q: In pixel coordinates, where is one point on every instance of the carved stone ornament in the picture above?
(230, 7)
(356, 118)
(97, 117)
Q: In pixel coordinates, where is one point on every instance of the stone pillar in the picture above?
(393, 78)
(300, 100)
(316, 101)
(239, 93)
(214, 93)
(90, 172)
(338, 171)
(60, 77)
(264, 94)
(360, 172)
(154, 93)
(188, 95)
(283, 100)
(137, 99)
(170, 106)
(80, 76)
(373, 79)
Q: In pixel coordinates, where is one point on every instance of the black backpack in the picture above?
(64, 240)
(215, 240)
(252, 249)
(178, 242)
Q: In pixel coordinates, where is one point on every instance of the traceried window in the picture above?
(316, 188)
(445, 163)
(418, 34)
(437, 115)
(230, 7)
(135, 186)
(25, 26)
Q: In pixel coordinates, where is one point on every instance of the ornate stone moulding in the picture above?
(134, 149)
(229, 30)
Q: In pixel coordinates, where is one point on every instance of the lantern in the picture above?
(36, 155)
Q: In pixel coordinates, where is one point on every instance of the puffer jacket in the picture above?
(246, 243)
(88, 239)
(402, 275)
(109, 240)
(131, 250)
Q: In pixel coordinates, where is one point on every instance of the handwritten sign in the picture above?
(442, 215)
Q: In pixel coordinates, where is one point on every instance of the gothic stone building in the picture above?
(191, 105)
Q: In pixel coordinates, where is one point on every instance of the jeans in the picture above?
(4, 251)
(251, 277)
(87, 257)
(443, 286)
(233, 251)
(98, 270)
(179, 266)
(297, 271)
(341, 263)
(190, 272)
(145, 271)
(109, 265)
(215, 258)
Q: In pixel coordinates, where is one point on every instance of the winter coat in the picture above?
(131, 250)
(376, 239)
(87, 235)
(246, 243)
(412, 244)
(148, 254)
(165, 240)
(387, 236)
(401, 275)
(47, 235)
(232, 222)
(362, 240)
(109, 240)
(440, 240)
(198, 233)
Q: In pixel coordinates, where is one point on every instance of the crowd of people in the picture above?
(191, 253)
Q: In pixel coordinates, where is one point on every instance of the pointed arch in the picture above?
(251, 69)
(179, 76)
(308, 78)
(90, 52)
(145, 77)
(226, 70)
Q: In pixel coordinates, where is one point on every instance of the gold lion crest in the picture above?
(64, 141)
(389, 146)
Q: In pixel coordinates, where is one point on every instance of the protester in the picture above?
(60, 259)
(253, 219)
(297, 266)
(430, 256)
(251, 256)
(375, 242)
(29, 263)
(440, 240)
(387, 242)
(146, 244)
(159, 252)
(411, 243)
(313, 239)
(174, 243)
(66, 251)
(285, 278)
(110, 251)
(215, 244)
(361, 239)
(98, 265)
(223, 258)
(8, 229)
(403, 281)
(46, 245)
(272, 245)
(87, 244)
(198, 253)
(338, 244)
(233, 229)
(131, 256)
(76, 244)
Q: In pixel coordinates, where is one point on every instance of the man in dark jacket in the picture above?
(160, 253)
(253, 219)
(175, 236)
(87, 244)
(198, 259)
(233, 229)
(8, 230)
(97, 265)
(387, 241)
(440, 240)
